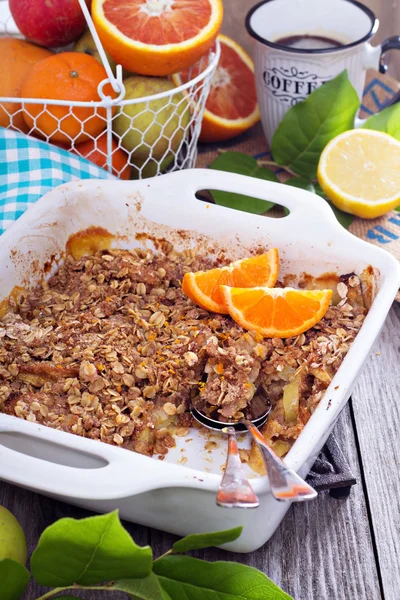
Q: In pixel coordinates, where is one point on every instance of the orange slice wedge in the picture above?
(279, 312)
(204, 289)
(157, 37)
(231, 106)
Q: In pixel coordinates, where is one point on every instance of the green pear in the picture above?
(86, 45)
(12, 538)
(154, 128)
(150, 168)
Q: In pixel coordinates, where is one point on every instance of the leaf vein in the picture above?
(317, 133)
(108, 525)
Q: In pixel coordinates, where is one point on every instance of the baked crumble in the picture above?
(111, 349)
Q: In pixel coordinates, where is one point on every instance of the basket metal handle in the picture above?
(116, 82)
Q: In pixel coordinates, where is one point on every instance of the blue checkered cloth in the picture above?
(29, 168)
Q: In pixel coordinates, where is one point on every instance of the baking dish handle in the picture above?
(304, 206)
(89, 470)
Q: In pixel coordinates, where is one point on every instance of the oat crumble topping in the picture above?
(111, 349)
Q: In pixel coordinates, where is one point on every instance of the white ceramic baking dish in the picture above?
(168, 494)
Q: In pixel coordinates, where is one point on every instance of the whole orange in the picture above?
(17, 59)
(66, 76)
(96, 151)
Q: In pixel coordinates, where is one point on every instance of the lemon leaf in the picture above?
(197, 541)
(148, 588)
(13, 579)
(187, 578)
(388, 121)
(88, 551)
(307, 127)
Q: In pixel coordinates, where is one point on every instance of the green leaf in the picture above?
(237, 162)
(388, 121)
(187, 578)
(197, 541)
(13, 579)
(88, 551)
(345, 219)
(147, 588)
(398, 209)
(307, 127)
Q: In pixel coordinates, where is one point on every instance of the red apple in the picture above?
(50, 23)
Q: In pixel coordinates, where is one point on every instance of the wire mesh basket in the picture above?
(157, 132)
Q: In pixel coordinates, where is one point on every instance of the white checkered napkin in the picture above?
(29, 168)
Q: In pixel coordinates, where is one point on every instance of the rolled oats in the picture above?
(157, 319)
(87, 371)
(169, 409)
(191, 358)
(141, 372)
(149, 392)
(118, 353)
(141, 289)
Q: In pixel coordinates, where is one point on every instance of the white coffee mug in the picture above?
(286, 75)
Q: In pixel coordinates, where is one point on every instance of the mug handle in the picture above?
(392, 43)
(374, 59)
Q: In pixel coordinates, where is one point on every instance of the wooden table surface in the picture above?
(327, 549)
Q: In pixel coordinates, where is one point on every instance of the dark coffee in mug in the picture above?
(308, 42)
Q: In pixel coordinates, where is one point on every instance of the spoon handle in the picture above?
(286, 485)
(235, 491)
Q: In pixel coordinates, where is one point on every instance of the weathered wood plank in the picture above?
(376, 404)
(322, 550)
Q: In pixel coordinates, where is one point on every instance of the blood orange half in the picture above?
(157, 37)
(231, 106)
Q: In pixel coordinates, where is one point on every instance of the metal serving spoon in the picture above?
(234, 491)
(286, 485)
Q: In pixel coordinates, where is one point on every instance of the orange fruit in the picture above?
(157, 37)
(96, 151)
(278, 312)
(17, 59)
(231, 106)
(204, 287)
(66, 76)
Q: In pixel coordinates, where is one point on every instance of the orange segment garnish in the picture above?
(203, 287)
(276, 312)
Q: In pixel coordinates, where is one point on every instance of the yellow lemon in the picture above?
(359, 171)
